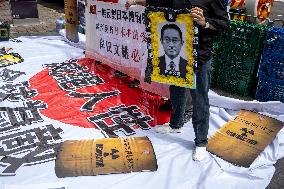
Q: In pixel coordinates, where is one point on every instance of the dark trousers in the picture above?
(188, 105)
(200, 102)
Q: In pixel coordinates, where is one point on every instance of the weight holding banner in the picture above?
(71, 20)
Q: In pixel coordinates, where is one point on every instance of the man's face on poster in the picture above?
(171, 42)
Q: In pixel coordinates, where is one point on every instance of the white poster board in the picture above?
(117, 37)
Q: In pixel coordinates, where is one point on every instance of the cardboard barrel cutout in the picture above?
(71, 20)
(242, 139)
(172, 47)
(105, 156)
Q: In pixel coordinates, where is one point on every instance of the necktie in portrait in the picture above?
(172, 69)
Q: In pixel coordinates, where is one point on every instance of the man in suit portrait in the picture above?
(171, 63)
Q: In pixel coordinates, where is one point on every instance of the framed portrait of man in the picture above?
(172, 47)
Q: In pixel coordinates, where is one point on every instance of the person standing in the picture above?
(211, 18)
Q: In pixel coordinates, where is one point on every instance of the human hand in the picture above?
(198, 17)
(129, 3)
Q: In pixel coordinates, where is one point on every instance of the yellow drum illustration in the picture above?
(244, 137)
(105, 156)
(71, 20)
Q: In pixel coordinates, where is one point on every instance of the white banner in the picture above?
(117, 37)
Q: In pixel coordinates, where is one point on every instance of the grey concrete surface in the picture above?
(48, 14)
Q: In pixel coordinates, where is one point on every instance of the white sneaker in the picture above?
(167, 129)
(199, 154)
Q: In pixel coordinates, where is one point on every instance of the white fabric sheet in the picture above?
(82, 40)
(176, 169)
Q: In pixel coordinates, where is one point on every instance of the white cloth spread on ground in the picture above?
(176, 169)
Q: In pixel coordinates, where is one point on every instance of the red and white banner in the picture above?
(73, 92)
(84, 94)
(45, 101)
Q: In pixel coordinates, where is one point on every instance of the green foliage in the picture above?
(236, 58)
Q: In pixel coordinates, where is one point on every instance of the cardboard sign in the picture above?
(104, 156)
(242, 139)
(172, 47)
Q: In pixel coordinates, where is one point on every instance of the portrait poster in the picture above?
(172, 47)
(242, 139)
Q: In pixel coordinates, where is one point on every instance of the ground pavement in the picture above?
(48, 14)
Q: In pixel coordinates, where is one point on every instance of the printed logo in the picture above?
(244, 136)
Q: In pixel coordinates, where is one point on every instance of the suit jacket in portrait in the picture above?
(182, 66)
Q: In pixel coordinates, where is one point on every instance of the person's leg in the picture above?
(188, 107)
(178, 100)
(200, 118)
(200, 100)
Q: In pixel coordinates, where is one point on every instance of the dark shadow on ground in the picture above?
(57, 5)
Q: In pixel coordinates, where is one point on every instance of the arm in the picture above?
(198, 17)
(218, 20)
